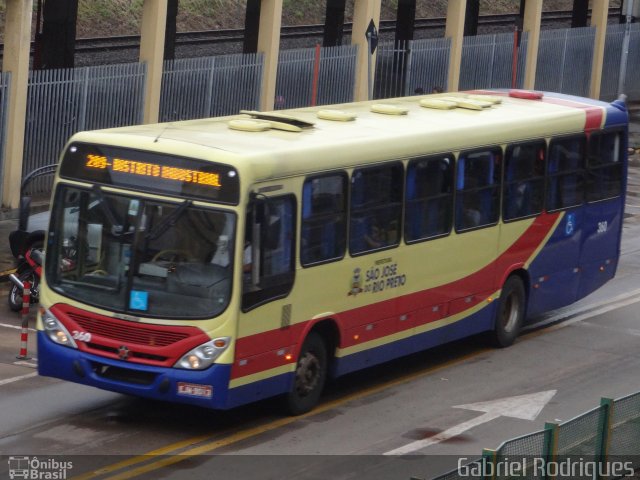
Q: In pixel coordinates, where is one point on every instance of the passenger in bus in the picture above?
(246, 257)
(472, 204)
(473, 217)
(375, 237)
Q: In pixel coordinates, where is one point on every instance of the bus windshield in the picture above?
(140, 256)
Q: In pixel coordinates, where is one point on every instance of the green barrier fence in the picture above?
(601, 444)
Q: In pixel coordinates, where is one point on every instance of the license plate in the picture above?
(195, 390)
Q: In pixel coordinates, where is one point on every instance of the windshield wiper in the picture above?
(116, 226)
(168, 221)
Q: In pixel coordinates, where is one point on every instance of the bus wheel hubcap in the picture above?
(307, 374)
(510, 312)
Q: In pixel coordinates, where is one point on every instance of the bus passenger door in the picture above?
(555, 272)
(268, 270)
(604, 210)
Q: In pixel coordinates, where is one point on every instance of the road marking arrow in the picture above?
(524, 407)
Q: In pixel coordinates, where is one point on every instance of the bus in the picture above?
(220, 261)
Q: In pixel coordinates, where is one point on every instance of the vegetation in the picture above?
(97, 18)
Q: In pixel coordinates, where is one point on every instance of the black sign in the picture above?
(151, 172)
(372, 36)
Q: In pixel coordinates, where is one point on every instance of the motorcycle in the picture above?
(27, 243)
(29, 253)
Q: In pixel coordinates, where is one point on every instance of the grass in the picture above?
(98, 18)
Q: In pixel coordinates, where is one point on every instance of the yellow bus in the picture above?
(220, 261)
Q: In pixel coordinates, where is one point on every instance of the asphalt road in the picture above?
(432, 407)
(571, 363)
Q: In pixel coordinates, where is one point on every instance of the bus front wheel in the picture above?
(309, 376)
(509, 312)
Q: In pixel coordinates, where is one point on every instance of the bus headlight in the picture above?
(56, 331)
(204, 355)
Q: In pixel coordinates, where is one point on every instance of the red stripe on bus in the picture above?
(382, 317)
(595, 114)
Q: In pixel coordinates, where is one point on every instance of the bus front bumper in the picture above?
(206, 388)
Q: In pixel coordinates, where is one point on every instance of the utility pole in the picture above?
(625, 48)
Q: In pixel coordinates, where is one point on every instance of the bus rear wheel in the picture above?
(309, 376)
(509, 312)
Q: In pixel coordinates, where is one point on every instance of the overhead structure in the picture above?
(58, 40)
(456, 10)
(365, 12)
(171, 30)
(154, 22)
(334, 23)
(262, 35)
(471, 18)
(251, 26)
(17, 42)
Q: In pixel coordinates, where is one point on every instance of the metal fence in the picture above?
(493, 61)
(326, 73)
(613, 58)
(411, 67)
(210, 86)
(564, 60)
(64, 101)
(5, 85)
(589, 446)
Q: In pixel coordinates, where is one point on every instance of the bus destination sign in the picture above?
(151, 172)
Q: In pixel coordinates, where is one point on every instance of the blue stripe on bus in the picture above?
(478, 322)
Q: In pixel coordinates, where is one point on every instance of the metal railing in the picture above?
(64, 101)
(488, 61)
(564, 60)
(320, 76)
(611, 63)
(589, 445)
(411, 67)
(210, 86)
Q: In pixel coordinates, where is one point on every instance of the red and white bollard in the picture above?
(24, 335)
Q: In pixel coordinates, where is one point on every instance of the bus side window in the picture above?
(604, 166)
(429, 195)
(269, 253)
(523, 189)
(376, 208)
(565, 173)
(323, 229)
(478, 189)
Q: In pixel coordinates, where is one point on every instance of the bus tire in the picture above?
(509, 312)
(309, 376)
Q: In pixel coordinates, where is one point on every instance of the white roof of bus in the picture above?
(335, 144)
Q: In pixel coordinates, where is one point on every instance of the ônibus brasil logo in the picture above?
(33, 468)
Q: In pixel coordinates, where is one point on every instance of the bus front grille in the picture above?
(126, 375)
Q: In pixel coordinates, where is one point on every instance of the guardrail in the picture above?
(603, 443)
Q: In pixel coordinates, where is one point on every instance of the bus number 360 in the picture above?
(602, 227)
(81, 336)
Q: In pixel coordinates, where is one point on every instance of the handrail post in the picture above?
(489, 457)
(604, 433)
(550, 449)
